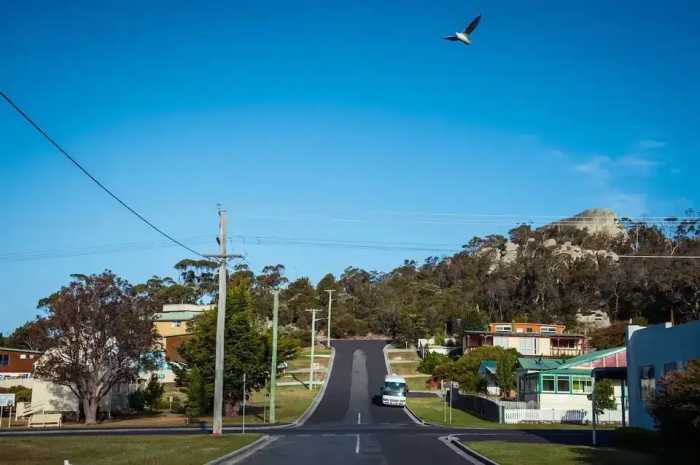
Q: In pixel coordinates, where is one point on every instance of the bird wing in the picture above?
(475, 22)
(452, 38)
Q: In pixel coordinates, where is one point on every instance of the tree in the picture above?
(244, 349)
(676, 406)
(430, 362)
(99, 334)
(612, 336)
(505, 372)
(198, 392)
(153, 393)
(31, 335)
(604, 396)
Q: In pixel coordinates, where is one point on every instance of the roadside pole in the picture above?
(244, 396)
(444, 401)
(451, 389)
(330, 301)
(273, 368)
(217, 427)
(313, 344)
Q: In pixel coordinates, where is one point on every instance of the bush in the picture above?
(676, 406)
(153, 393)
(22, 394)
(430, 362)
(137, 401)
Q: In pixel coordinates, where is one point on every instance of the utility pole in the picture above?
(313, 344)
(244, 396)
(330, 300)
(220, 323)
(273, 368)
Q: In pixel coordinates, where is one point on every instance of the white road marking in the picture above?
(359, 417)
(357, 444)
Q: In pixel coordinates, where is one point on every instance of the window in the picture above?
(547, 383)
(529, 330)
(548, 329)
(23, 356)
(176, 324)
(562, 384)
(31, 356)
(504, 328)
(4, 360)
(527, 346)
(581, 385)
(647, 382)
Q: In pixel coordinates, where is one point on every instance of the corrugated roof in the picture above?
(488, 365)
(176, 316)
(539, 363)
(12, 349)
(589, 357)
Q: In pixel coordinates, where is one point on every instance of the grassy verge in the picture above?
(509, 453)
(418, 384)
(431, 409)
(120, 450)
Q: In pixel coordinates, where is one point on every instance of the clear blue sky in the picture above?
(346, 121)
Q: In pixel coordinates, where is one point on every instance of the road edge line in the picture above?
(317, 400)
(244, 452)
(469, 454)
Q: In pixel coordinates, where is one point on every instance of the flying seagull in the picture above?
(464, 36)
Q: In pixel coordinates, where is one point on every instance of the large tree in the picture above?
(98, 333)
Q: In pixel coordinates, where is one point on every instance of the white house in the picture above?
(651, 353)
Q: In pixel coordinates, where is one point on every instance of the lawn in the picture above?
(430, 409)
(405, 368)
(120, 450)
(418, 384)
(403, 356)
(509, 453)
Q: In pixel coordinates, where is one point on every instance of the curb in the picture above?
(314, 405)
(468, 453)
(244, 452)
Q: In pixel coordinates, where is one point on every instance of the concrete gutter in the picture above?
(244, 452)
(314, 405)
(469, 454)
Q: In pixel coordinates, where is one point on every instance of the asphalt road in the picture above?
(348, 427)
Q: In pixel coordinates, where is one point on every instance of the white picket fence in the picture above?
(551, 415)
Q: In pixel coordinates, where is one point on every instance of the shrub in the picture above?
(137, 402)
(22, 394)
(153, 393)
(676, 406)
(430, 362)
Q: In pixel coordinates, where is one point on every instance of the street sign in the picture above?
(6, 400)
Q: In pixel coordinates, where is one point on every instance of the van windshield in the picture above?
(393, 388)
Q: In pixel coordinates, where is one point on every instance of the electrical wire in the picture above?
(93, 178)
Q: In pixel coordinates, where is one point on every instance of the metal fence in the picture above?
(552, 415)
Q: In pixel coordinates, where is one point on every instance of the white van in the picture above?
(394, 391)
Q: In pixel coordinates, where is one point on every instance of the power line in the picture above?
(95, 180)
(683, 257)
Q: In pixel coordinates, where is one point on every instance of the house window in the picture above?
(529, 330)
(23, 356)
(527, 346)
(176, 324)
(504, 328)
(4, 360)
(548, 329)
(547, 383)
(647, 382)
(563, 384)
(581, 385)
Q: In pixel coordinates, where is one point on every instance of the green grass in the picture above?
(509, 453)
(403, 356)
(405, 368)
(418, 384)
(430, 409)
(120, 450)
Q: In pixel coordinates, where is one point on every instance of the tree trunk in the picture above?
(90, 407)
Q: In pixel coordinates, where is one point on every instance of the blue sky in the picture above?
(334, 122)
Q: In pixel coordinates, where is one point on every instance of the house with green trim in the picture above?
(565, 383)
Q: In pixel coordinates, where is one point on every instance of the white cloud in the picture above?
(637, 162)
(650, 144)
(598, 166)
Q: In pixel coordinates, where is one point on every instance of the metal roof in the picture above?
(539, 363)
(13, 349)
(591, 356)
(488, 366)
(176, 316)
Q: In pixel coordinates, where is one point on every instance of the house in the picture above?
(487, 370)
(17, 363)
(652, 352)
(547, 340)
(173, 327)
(565, 384)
